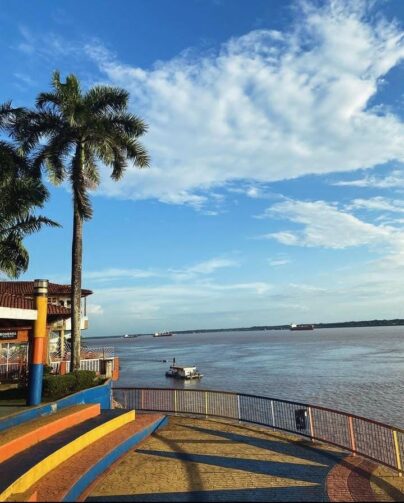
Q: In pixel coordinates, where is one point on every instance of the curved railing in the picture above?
(372, 439)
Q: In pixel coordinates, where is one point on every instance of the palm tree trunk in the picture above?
(77, 259)
(77, 253)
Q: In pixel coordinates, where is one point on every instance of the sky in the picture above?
(276, 137)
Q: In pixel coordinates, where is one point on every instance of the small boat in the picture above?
(162, 334)
(302, 326)
(183, 372)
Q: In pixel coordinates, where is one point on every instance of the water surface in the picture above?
(358, 370)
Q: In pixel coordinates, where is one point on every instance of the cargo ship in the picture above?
(162, 334)
(301, 326)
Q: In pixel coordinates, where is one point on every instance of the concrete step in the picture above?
(73, 477)
(23, 470)
(18, 438)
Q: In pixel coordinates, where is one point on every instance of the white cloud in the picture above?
(278, 262)
(179, 306)
(114, 273)
(94, 309)
(267, 106)
(324, 225)
(394, 180)
(378, 204)
(205, 268)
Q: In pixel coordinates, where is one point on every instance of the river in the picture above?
(358, 370)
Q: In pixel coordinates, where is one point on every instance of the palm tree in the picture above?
(69, 132)
(21, 192)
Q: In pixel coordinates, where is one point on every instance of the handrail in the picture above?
(375, 440)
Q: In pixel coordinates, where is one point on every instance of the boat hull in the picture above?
(301, 327)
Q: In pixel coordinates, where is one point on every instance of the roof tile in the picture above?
(27, 288)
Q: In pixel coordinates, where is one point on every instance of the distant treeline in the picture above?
(340, 324)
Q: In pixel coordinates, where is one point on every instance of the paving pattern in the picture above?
(212, 460)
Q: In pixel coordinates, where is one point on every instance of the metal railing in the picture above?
(13, 360)
(93, 364)
(377, 441)
(86, 353)
(12, 371)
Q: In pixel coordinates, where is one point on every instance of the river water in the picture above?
(358, 370)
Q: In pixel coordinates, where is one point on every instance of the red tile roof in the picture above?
(14, 301)
(27, 288)
(18, 302)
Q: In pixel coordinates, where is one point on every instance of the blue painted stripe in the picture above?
(99, 394)
(23, 417)
(88, 477)
(35, 377)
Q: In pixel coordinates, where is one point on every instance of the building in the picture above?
(17, 314)
(58, 296)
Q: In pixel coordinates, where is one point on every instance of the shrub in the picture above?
(47, 369)
(58, 386)
(84, 379)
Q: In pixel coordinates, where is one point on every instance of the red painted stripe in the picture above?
(38, 353)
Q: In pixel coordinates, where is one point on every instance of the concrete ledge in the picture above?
(99, 394)
(23, 483)
(25, 440)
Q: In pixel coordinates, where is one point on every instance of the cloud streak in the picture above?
(324, 225)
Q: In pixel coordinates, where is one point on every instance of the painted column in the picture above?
(39, 343)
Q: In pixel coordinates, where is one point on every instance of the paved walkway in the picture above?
(212, 460)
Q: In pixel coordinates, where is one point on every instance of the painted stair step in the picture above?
(18, 438)
(20, 472)
(68, 481)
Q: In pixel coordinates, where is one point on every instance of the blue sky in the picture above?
(276, 135)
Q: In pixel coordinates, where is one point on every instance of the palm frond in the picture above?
(14, 257)
(137, 153)
(47, 99)
(101, 99)
(27, 225)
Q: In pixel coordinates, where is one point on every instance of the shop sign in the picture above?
(6, 336)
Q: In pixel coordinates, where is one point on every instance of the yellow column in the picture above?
(39, 342)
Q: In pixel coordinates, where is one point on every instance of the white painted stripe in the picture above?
(18, 314)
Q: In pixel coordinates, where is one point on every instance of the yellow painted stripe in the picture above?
(41, 304)
(56, 458)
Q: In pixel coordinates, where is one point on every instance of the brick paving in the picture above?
(212, 460)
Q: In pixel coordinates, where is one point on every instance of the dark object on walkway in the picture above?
(300, 416)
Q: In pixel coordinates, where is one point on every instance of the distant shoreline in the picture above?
(343, 324)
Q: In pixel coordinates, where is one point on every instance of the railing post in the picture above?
(273, 414)
(141, 400)
(238, 409)
(206, 404)
(175, 401)
(311, 424)
(397, 449)
(352, 435)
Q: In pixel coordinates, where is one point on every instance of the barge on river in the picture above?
(183, 372)
(163, 334)
(301, 326)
